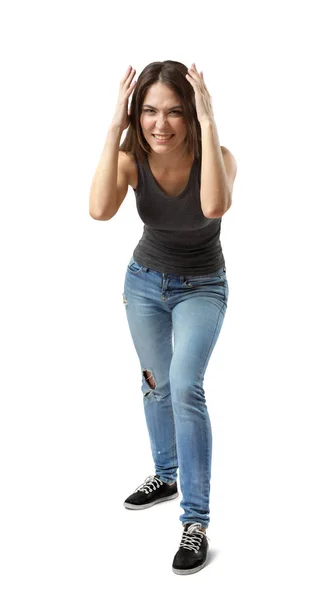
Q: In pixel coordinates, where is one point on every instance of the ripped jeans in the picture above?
(175, 321)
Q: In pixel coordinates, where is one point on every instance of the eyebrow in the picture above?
(149, 106)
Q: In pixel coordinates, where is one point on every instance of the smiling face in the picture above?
(162, 113)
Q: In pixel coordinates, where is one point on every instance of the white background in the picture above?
(74, 441)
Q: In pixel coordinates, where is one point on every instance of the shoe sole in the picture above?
(188, 571)
(141, 506)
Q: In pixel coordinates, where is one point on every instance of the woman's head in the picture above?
(163, 102)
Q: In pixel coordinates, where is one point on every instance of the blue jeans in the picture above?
(174, 322)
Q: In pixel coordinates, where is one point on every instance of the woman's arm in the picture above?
(218, 172)
(218, 168)
(103, 193)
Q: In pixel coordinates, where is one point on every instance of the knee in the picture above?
(186, 391)
(149, 378)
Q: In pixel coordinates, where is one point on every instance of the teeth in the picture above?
(162, 137)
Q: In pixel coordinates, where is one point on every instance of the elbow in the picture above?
(213, 214)
(99, 214)
(93, 211)
(218, 213)
(101, 217)
(94, 215)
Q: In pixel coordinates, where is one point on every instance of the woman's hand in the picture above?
(121, 115)
(202, 96)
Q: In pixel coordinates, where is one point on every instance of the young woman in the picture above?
(175, 290)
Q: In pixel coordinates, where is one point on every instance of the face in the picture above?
(162, 113)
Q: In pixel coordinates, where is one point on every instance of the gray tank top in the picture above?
(177, 238)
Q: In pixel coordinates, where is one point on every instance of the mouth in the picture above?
(162, 139)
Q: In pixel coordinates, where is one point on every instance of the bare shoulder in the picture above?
(127, 163)
(229, 160)
(226, 151)
(230, 164)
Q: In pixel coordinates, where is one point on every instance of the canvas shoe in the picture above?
(152, 491)
(192, 553)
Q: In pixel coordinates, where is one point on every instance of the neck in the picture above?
(174, 160)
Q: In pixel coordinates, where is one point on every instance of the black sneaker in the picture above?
(152, 491)
(192, 554)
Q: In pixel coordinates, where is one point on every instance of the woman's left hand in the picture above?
(202, 96)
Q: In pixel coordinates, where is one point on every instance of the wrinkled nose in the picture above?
(161, 121)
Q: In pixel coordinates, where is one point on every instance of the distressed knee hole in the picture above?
(149, 378)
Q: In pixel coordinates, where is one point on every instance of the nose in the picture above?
(161, 120)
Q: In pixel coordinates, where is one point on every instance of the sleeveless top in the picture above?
(177, 238)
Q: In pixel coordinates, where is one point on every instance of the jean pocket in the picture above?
(201, 280)
(134, 267)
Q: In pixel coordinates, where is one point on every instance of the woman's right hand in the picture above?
(121, 115)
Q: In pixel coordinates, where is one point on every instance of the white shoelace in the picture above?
(149, 484)
(192, 537)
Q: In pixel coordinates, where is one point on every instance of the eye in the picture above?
(178, 112)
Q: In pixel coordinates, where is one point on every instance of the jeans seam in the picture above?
(211, 343)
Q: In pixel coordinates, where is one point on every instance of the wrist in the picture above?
(207, 122)
(115, 128)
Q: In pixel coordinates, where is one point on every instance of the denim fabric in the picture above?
(175, 321)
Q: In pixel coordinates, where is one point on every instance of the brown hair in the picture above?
(171, 73)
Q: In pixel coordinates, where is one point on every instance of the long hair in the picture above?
(171, 73)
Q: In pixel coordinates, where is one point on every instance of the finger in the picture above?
(129, 90)
(128, 76)
(127, 86)
(126, 73)
(195, 70)
(192, 73)
(199, 74)
(190, 79)
(132, 74)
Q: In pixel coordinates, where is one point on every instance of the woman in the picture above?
(175, 282)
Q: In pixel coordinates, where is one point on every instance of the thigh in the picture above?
(197, 322)
(149, 323)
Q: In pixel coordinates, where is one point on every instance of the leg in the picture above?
(151, 331)
(149, 378)
(197, 322)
